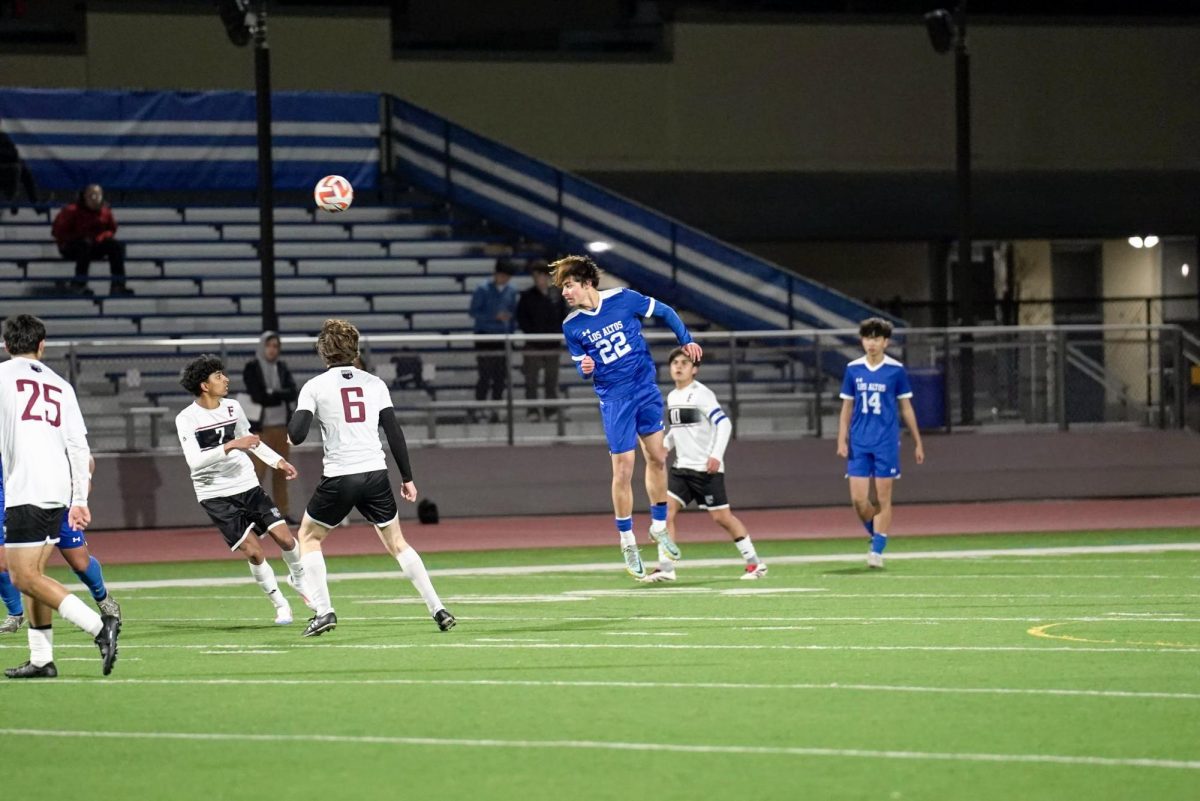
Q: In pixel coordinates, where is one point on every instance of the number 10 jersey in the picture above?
(346, 402)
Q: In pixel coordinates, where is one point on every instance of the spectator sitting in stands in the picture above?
(270, 385)
(540, 310)
(86, 229)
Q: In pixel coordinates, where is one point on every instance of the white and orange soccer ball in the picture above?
(333, 193)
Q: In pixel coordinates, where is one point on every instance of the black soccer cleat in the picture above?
(32, 671)
(444, 619)
(106, 641)
(319, 624)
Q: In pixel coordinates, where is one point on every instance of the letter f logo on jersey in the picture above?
(230, 408)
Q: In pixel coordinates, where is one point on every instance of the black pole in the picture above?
(962, 109)
(266, 183)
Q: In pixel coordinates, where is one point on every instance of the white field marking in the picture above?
(93, 659)
(451, 600)
(614, 567)
(1109, 617)
(661, 646)
(507, 639)
(242, 652)
(609, 745)
(646, 633)
(1054, 576)
(651, 685)
(777, 628)
(658, 592)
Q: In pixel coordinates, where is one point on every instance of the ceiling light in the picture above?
(598, 246)
(1150, 241)
(1136, 241)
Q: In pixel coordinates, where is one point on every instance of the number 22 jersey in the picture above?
(611, 334)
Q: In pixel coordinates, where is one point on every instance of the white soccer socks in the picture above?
(413, 569)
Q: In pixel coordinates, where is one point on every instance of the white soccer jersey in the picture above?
(699, 427)
(346, 402)
(203, 434)
(43, 441)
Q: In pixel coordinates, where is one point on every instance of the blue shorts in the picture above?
(68, 537)
(636, 415)
(874, 463)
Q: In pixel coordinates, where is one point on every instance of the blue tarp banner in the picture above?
(190, 140)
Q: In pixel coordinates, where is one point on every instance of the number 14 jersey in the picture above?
(876, 392)
(346, 402)
(611, 334)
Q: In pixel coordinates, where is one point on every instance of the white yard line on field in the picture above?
(606, 745)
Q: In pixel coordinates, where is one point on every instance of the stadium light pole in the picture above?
(266, 178)
(242, 26)
(946, 29)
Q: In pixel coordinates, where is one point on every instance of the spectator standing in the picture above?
(270, 385)
(540, 311)
(492, 307)
(86, 229)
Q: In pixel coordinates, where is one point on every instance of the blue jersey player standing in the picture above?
(604, 336)
(875, 396)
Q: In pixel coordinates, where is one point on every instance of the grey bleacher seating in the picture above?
(442, 322)
(478, 266)
(136, 307)
(450, 247)
(28, 250)
(311, 323)
(341, 250)
(421, 303)
(23, 214)
(62, 269)
(373, 286)
(244, 214)
(10, 232)
(247, 286)
(359, 267)
(223, 268)
(167, 233)
(191, 250)
(400, 231)
(287, 232)
(334, 304)
(51, 307)
(165, 286)
(519, 282)
(363, 214)
(217, 325)
(132, 214)
(92, 327)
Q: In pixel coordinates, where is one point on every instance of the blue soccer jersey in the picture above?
(876, 392)
(611, 334)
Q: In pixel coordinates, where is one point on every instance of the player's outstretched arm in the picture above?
(671, 318)
(910, 421)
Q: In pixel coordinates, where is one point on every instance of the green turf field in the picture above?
(1020, 676)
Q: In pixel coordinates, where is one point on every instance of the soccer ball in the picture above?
(333, 193)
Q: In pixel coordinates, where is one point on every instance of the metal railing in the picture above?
(774, 384)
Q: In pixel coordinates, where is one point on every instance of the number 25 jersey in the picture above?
(611, 334)
(876, 392)
(347, 402)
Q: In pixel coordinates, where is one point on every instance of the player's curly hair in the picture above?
(23, 333)
(581, 268)
(337, 343)
(198, 370)
(875, 327)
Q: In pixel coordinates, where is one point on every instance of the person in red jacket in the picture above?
(86, 229)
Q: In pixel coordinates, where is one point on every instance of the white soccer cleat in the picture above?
(633, 561)
(665, 543)
(283, 615)
(303, 595)
(657, 576)
(874, 560)
(754, 572)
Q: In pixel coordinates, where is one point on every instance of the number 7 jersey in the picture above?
(346, 402)
(876, 392)
(611, 334)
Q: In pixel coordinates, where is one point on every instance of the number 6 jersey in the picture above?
(347, 401)
(876, 392)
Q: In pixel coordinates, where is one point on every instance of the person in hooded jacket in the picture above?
(270, 385)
